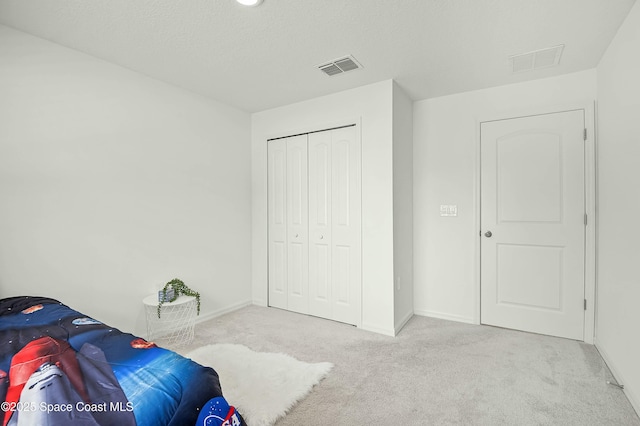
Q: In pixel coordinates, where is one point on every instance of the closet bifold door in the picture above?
(297, 225)
(277, 222)
(287, 199)
(335, 225)
(346, 225)
(320, 291)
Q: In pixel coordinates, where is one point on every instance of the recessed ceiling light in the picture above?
(249, 2)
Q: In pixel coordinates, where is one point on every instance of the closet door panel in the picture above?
(277, 224)
(346, 224)
(342, 178)
(342, 262)
(320, 297)
(297, 224)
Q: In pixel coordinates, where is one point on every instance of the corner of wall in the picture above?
(402, 206)
(618, 285)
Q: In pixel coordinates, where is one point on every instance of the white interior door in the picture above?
(314, 224)
(320, 244)
(532, 224)
(297, 225)
(346, 256)
(335, 259)
(277, 222)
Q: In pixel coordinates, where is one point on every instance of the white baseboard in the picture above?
(222, 311)
(403, 322)
(259, 302)
(379, 330)
(632, 396)
(441, 315)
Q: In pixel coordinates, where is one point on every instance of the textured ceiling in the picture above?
(263, 57)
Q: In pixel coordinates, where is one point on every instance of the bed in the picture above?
(59, 366)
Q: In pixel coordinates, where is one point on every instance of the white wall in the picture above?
(444, 172)
(618, 314)
(113, 183)
(372, 105)
(402, 206)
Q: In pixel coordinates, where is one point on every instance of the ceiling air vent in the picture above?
(536, 59)
(340, 66)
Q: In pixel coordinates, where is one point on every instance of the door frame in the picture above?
(590, 169)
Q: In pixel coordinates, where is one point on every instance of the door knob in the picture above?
(488, 234)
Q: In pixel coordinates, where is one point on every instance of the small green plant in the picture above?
(179, 287)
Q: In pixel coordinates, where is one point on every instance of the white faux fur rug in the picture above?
(262, 386)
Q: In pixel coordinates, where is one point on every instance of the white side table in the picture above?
(176, 323)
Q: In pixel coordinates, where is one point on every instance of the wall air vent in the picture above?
(340, 66)
(536, 59)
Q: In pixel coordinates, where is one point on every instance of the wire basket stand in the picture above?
(176, 324)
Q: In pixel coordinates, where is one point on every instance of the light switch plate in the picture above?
(448, 210)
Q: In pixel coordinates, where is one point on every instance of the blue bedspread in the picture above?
(152, 386)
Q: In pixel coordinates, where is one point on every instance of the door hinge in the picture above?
(584, 135)
(585, 219)
(585, 304)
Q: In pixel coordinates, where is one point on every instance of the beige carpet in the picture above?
(434, 372)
